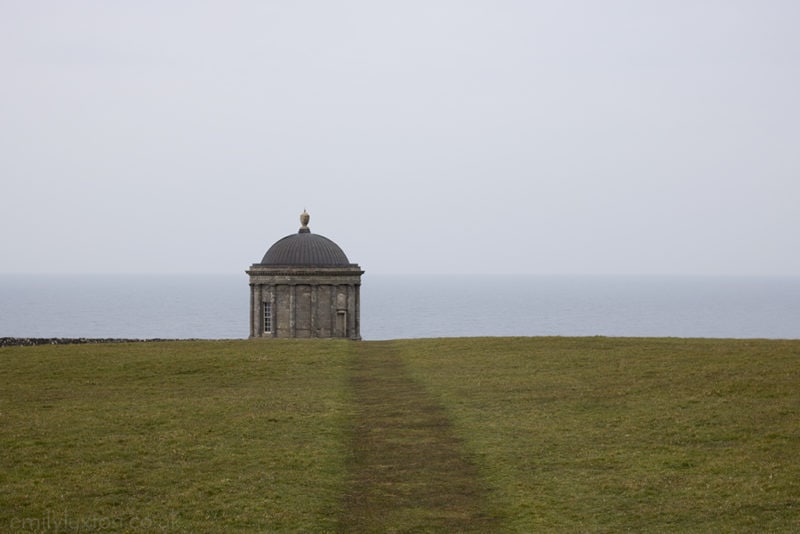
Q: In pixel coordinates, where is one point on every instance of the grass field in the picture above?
(469, 434)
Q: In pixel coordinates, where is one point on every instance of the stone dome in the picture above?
(305, 249)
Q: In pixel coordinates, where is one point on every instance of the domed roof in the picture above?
(305, 248)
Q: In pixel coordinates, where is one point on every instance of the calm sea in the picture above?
(207, 306)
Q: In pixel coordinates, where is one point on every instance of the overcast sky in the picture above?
(541, 137)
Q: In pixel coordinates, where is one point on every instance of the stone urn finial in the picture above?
(304, 218)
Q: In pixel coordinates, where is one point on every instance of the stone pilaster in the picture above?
(321, 318)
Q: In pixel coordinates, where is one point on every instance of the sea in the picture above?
(412, 306)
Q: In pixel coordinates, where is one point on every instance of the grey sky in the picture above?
(628, 137)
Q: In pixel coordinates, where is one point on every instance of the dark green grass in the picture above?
(180, 436)
(561, 434)
(610, 435)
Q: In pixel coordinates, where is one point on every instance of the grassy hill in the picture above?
(480, 434)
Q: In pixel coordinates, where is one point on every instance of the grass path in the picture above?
(407, 468)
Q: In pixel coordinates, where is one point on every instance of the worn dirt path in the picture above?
(408, 471)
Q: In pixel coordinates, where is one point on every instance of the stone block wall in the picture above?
(306, 303)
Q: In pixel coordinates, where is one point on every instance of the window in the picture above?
(341, 323)
(267, 318)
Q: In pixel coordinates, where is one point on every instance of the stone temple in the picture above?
(305, 287)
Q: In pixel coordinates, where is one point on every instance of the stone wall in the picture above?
(32, 341)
